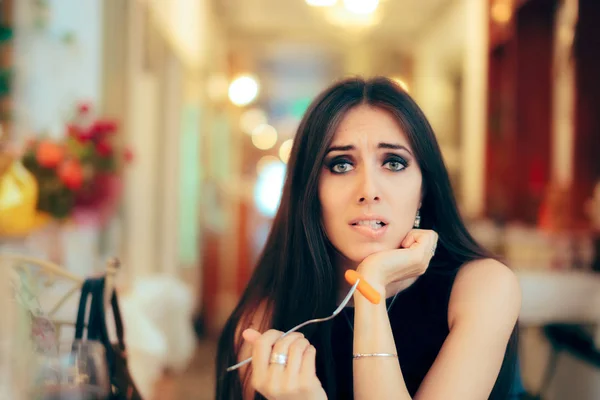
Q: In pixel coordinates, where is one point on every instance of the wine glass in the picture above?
(77, 370)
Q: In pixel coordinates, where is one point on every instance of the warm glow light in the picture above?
(267, 192)
(501, 11)
(243, 90)
(342, 17)
(264, 162)
(401, 83)
(321, 3)
(252, 119)
(361, 6)
(264, 137)
(285, 150)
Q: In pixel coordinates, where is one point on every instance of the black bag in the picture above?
(122, 386)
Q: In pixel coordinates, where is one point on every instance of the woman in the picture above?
(367, 189)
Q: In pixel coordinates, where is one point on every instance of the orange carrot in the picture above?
(363, 286)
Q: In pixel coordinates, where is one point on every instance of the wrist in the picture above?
(373, 278)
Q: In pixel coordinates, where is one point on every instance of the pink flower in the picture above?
(104, 148)
(76, 132)
(83, 108)
(103, 127)
(110, 126)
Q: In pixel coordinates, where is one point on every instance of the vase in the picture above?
(18, 198)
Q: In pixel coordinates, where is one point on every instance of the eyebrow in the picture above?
(390, 146)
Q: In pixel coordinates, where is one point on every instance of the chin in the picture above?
(357, 253)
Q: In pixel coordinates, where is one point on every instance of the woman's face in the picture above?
(370, 185)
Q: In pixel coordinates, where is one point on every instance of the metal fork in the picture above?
(302, 325)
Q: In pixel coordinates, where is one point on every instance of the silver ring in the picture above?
(278, 358)
(433, 249)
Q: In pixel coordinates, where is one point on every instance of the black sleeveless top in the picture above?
(419, 321)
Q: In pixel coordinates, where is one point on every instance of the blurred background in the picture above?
(158, 131)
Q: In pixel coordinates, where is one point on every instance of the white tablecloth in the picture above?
(560, 296)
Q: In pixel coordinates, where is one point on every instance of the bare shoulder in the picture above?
(485, 290)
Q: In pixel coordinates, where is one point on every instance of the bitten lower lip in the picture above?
(370, 232)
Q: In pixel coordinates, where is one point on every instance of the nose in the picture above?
(368, 191)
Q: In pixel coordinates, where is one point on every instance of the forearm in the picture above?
(375, 377)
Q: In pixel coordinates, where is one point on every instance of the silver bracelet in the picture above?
(362, 355)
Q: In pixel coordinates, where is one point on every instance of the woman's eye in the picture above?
(395, 165)
(341, 167)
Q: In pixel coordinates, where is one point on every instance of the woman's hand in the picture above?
(296, 379)
(409, 261)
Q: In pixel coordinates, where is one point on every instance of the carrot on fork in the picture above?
(363, 286)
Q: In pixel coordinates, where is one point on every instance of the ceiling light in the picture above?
(243, 90)
(362, 7)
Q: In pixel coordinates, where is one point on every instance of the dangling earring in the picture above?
(418, 219)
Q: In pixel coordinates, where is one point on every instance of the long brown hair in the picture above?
(295, 277)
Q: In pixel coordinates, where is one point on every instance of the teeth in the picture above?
(373, 224)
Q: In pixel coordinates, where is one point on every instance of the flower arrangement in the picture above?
(79, 171)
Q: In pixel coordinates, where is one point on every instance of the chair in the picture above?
(47, 275)
(15, 348)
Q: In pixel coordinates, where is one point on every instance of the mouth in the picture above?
(371, 227)
(370, 223)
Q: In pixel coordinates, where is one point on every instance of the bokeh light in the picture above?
(252, 119)
(264, 162)
(243, 90)
(361, 7)
(285, 150)
(264, 137)
(267, 192)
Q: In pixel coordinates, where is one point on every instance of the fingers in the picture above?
(296, 355)
(261, 353)
(282, 346)
(423, 242)
(277, 372)
(417, 237)
(274, 380)
(408, 241)
(251, 335)
(308, 369)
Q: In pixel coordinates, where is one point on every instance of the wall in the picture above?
(54, 72)
(449, 79)
(176, 130)
(160, 60)
(184, 25)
